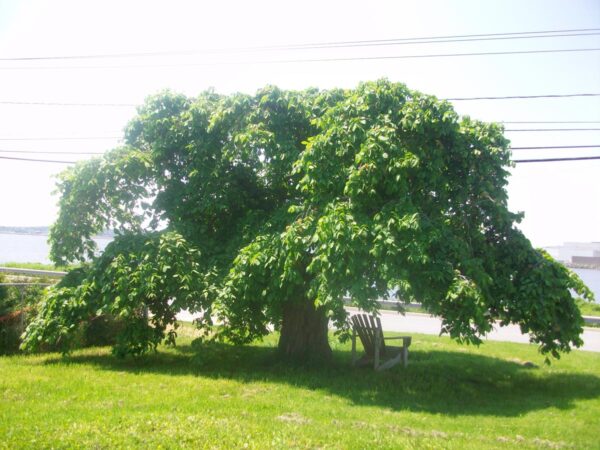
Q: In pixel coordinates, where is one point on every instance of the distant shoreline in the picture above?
(17, 233)
(45, 232)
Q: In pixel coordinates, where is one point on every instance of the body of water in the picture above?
(591, 278)
(30, 248)
(35, 248)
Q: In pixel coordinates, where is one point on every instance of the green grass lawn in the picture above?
(589, 309)
(219, 396)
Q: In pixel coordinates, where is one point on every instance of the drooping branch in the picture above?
(108, 192)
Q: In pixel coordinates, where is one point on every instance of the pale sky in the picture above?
(560, 200)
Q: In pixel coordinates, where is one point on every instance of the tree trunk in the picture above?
(304, 333)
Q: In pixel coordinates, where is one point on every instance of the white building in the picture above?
(576, 252)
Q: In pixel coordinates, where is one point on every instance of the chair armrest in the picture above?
(406, 339)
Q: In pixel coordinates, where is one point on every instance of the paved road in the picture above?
(426, 324)
(423, 323)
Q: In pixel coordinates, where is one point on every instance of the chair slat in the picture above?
(365, 335)
(370, 332)
(379, 330)
(376, 327)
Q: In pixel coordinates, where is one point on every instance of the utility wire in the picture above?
(307, 60)
(38, 160)
(51, 152)
(550, 129)
(578, 158)
(65, 138)
(93, 138)
(554, 146)
(550, 121)
(518, 97)
(506, 97)
(326, 45)
(459, 36)
(540, 122)
(517, 161)
(127, 105)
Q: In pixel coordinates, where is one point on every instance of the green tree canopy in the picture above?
(270, 209)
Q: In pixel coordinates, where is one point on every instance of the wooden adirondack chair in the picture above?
(368, 329)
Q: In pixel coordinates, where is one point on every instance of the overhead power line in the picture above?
(38, 160)
(462, 36)
(517, 161)
(51, 152)
(576, 158)
(93, 138)
(62, 138)
(505, 97)
(308, 60)
(547, 147)
(119, 105)
(549, 121)
(552, 129)
(326, 45)
(518, 97)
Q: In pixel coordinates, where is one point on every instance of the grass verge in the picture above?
(36, 266)
(499, 395)
(588, 309)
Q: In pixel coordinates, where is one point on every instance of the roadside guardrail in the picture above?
(33, 272)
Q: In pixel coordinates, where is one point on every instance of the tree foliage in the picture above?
(273, 207)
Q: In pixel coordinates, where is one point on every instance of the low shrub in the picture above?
(3, 291)
(12, 326)
(19, 305)
(13, 316)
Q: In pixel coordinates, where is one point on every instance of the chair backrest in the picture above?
(368, 327)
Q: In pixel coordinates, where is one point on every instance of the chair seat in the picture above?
(377, 352)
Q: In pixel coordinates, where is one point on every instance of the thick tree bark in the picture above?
(304, 332)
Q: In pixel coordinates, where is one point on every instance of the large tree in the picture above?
(270, 209)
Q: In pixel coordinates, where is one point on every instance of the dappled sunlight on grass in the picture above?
(453, 381)
(449, 396)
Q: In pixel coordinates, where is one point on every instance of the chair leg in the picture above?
(376, 352)
(405, 356)
(354, 348)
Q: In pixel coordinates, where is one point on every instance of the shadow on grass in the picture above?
(443, 382)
